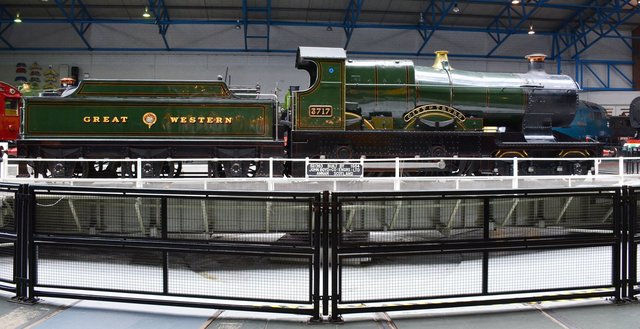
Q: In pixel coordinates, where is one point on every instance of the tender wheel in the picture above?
(151, 169)
(172, 169)
(59, 169)
(506, 167)
(236, 169)
(99, 169)
(128, 169)
(214, 169)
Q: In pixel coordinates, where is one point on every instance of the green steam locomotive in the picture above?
(352, 109)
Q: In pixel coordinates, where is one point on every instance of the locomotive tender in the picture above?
(352, 109)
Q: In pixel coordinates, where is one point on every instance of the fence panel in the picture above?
(9, 261)
(470, 248)
(198, 247)
(262, 251)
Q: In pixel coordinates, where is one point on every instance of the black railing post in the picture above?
(165, 254)
(632, 243)
(336, 209)
(325, 252)
(319, 261)
(619, 252)
(21, 259)
(30, 216)
(485, 254)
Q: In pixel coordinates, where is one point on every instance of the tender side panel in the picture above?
(119, 118)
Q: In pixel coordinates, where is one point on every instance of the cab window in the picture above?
(11, 106)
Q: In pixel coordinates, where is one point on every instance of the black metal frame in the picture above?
(309, 254)
(10, 235)
(632, 236)
(485, 246)
(324, 251)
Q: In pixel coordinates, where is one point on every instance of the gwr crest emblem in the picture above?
(149, 119)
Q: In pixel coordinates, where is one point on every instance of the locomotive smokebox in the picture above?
(536, 62)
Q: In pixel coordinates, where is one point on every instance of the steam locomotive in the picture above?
(352, 109)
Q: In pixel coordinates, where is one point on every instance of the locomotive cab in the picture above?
(322, 106)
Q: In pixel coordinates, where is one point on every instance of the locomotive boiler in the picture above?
(352, 109)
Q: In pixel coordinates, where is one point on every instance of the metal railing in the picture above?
(461, 249)
(319, 253)
(397, 174)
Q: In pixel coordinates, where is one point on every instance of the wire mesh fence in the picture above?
(467, 246)
(382, 250)
(227, 247)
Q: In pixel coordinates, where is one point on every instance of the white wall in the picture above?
(268, 70)
(615, 101)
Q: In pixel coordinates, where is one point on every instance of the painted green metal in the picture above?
(383, 91)
(321, 107)
(151, 88)
(92, 111)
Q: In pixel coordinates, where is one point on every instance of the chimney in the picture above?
(441, 61)
(536, 62)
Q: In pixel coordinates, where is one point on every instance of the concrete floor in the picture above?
(52, 313)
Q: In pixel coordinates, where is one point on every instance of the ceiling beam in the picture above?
(589, 27)
(5, 15)
(511, 18)
(161, 15)
(351, 16)
(431, 19)
(78, 16)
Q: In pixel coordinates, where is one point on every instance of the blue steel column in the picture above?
(432, 18)
(350, 18)
(266, 21)
(611, 67)
(161, 14)
(78, 16)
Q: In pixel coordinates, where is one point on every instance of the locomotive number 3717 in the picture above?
(320, 111)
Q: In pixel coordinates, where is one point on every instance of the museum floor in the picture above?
(68, 314)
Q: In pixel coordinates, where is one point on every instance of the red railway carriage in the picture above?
(10, 99)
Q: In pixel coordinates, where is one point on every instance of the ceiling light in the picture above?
(17, 19)
(146, 13)
(531, 31)
(515, 2)
(421, 18)
(329, 28)
(455, 8)
(238, 25)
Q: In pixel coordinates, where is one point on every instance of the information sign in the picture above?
(327, 169)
